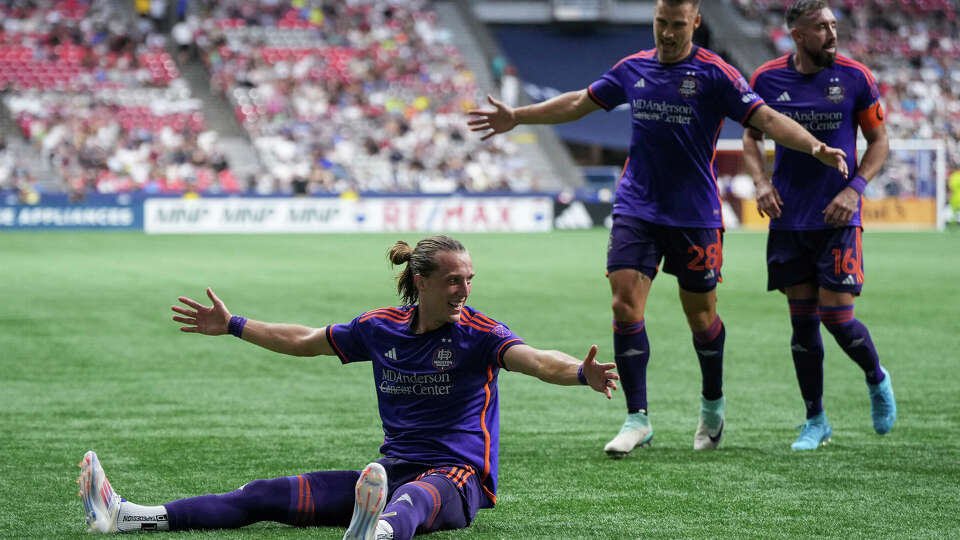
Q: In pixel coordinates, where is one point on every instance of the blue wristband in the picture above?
(236, 325)
(858, 184)
(580, 376)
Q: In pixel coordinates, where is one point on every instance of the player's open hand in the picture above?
(599, 376)
(496, 120)
(833, 157)
(768, 200)
(841, 208)
(200, 319)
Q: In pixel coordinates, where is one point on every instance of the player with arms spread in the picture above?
(814, 250)
(667, 201)
(435, 367)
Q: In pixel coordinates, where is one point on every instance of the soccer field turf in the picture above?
(89, 359)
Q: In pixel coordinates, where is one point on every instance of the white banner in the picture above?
(330, 215)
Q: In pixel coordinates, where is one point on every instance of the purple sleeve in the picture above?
(501, 339)
(347, 342)
(868, 93)
(738, 100)
(607, 92)
(496, 340)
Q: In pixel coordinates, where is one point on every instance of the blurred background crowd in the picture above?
(338, 96)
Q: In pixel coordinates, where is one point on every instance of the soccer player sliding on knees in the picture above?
(667, 205)
(436, 364)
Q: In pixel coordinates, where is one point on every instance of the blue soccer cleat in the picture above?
(100, 503)
(371, 497)
(883, 406)
(814, 433)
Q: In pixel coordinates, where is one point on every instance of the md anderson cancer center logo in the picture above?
(397, 383)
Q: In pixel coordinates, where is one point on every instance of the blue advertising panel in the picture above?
(56, 211)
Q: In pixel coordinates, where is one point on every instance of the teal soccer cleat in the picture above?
(814, 433)
(636, 431)
(883, 406)
(710, 426)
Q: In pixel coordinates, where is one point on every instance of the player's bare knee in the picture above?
(700, 320)
(625, 309)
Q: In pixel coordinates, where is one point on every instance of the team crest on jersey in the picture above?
(443, 358)
(500, 331)
(689, 86)
(835, 93)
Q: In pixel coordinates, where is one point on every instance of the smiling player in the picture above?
(435, 368)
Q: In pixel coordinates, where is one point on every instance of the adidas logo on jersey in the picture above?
(785, 96)
(391, 354)
(849, 280)
(640, 84)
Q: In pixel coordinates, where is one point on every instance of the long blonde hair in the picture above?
(419, 260)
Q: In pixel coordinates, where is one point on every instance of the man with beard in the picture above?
(814, 251)
(667, 205)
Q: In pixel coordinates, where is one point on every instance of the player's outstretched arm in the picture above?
(787, 132)
(558, 367)
(557, 110)
(214, 320)
(768, 198)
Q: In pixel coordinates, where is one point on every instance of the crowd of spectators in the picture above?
(352, 96)
(94, 90)
(913, 49)
(347, 95)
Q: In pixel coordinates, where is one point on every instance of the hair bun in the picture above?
(400, 252)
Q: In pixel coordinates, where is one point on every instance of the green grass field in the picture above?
(89, 359)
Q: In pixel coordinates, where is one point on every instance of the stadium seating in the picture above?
(913, 49)
(98, 94)
(354, 96)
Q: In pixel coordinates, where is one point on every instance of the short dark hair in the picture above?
(801, 8)
(696, 3)
(419, 260)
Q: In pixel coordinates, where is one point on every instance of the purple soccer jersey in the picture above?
(437, 392)
(678, 110)
(830, 104)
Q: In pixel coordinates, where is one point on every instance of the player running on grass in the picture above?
(435, 367)
(667, 203)
(814, 250)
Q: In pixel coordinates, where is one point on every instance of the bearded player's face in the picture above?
(816, 36)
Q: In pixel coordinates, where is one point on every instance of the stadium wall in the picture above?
(258, 215)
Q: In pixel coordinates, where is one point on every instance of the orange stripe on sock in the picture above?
(299, 499)
(436, 502)
(308, 511)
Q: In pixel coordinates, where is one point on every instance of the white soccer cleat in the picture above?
(100, 503)
(636, 431)
(371, 497)
(710, 425)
